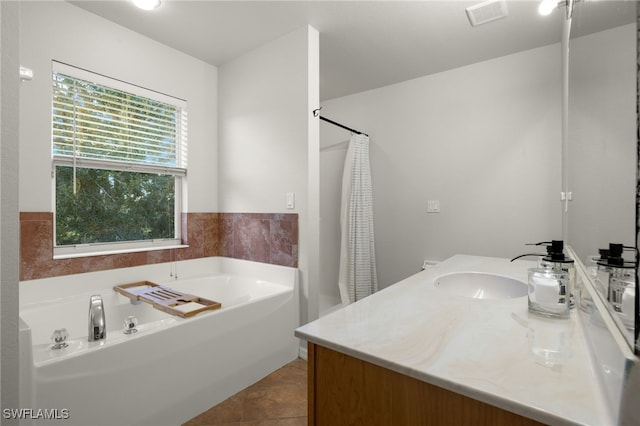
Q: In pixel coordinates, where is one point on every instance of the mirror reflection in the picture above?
(602, 146)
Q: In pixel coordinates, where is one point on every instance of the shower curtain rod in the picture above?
(316, 113)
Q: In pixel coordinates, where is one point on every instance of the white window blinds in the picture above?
(99, 122)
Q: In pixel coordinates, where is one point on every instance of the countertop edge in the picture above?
(485, 397)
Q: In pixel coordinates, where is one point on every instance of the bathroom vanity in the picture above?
(347, 390)
(417, 353)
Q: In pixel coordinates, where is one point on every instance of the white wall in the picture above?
(484, 139)
(58, 30)
(268, 139)
(9, 247)
(602, 139)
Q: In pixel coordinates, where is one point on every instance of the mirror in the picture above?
(602, 146)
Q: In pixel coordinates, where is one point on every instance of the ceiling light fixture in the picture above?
(147, 4)
(547, 6)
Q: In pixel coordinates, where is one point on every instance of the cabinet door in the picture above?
(344, 390)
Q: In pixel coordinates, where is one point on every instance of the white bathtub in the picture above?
(173, 368)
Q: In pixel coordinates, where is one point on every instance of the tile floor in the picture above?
(280, 399)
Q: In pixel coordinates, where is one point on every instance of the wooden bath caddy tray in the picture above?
(167, 299)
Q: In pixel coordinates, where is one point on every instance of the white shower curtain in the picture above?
(358, 277)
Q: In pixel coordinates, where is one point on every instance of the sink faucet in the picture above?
(97, 324)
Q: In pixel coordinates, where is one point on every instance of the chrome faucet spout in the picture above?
(97, 323)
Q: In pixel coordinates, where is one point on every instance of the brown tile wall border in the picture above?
(261, 237)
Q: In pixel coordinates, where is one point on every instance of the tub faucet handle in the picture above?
(130, 324)
(59, 338)
(97, 323)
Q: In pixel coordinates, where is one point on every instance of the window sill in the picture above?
(105, 252)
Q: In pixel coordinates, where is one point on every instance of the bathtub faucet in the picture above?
(97, 323)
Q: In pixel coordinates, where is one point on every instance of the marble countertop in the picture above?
(494, 351)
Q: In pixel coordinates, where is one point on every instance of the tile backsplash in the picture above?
(261, 237)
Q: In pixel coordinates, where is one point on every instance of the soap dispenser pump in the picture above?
(617, 278)
(557, 260)
(550, 284)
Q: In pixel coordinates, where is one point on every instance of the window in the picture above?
(119, 159)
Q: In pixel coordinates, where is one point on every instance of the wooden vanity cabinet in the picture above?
(344, 390)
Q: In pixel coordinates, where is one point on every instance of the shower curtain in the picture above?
(358, 277)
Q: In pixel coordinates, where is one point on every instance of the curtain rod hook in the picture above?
(316, 112)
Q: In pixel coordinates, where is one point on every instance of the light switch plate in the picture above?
(291, 200)
(433, 206)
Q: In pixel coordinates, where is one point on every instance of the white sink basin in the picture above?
(480, 285)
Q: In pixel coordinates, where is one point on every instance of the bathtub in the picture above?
(172, 368)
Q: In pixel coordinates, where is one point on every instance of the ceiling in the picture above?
(363, 44)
